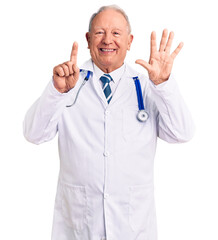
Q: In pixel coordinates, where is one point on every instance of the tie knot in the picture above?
(106, 78)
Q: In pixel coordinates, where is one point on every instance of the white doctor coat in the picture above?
(105, 187)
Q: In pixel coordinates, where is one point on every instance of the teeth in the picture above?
(107, 50)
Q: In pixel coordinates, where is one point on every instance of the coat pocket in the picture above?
(74, 206)
(141, 206)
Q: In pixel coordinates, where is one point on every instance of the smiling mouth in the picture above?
(107, 50)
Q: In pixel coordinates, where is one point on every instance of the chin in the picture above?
(106, 62)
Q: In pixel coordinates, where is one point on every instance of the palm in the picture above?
(161, 61)
(161, 66)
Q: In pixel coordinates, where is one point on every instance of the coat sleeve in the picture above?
(41, 120)
(174, 121)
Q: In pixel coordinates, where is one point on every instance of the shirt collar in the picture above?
(116, 74)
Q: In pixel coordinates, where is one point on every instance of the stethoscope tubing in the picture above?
(139, 93)
(142, 114)
(83, 83)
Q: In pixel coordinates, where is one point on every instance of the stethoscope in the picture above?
(142, 115)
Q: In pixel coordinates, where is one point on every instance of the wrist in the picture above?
(159, 81)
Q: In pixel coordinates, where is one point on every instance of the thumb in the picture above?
(144, 64)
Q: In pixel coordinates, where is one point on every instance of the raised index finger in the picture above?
(73, 56)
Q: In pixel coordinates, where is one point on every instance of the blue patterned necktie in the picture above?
(106, 78)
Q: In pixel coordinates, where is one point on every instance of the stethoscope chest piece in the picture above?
(142, 115)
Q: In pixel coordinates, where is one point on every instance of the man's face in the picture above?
(109, 40)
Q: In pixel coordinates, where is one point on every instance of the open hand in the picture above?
(161, 62)
(66, 75)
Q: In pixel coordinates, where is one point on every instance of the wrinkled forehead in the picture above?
(110, 19)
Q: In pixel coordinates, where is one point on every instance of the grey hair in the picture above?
(114, 7)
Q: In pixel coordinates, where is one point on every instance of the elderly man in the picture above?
(105, 187)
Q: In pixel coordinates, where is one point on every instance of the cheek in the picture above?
(96, 40)
(93, 46)
(122, 44)
(94, 50)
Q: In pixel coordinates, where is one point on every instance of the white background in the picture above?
(36, 36)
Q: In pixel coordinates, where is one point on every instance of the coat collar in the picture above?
(88, 65)
(125, 87)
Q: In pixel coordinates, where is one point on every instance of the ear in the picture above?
(130, 39)
(88, 39)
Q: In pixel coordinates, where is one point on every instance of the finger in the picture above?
(70, 67)
(66, 70)
(76, 71)
(169, 42)
(163, 40)
(58, 71)
(144, 64)
(177, 50)
(153, 43)
(73, 56)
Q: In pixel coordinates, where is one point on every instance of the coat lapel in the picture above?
(99, 91)
(95, 83)
(123, 91)
(124, 88)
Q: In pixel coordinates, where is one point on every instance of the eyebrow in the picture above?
(115, 28)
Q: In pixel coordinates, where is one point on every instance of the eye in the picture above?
(99, 32)
(116, 33)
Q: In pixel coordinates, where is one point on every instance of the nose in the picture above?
(107, 38)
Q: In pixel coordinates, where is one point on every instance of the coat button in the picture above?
(106, 154)
(107, 112)
(106, 195)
